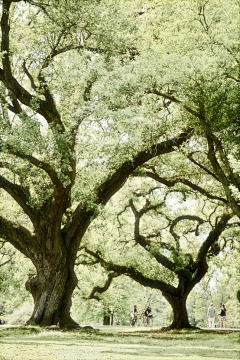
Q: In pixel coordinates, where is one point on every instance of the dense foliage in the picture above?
(91, 92)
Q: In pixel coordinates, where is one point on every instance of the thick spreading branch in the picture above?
(132, 273)
(213, 238)
(144, 243)
(34, 161)
(174, 181)
(102, 289)
(16, 192)
(223, 178)
(117, 179)
(21, 238)
(44, 108)
(188, 278)
(199, 165)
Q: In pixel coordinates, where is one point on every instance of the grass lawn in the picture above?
(125, 343)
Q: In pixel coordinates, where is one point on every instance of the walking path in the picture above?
(218, 328)
(121, 327)
(134, 328)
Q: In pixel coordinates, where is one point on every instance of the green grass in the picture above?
(117, 343)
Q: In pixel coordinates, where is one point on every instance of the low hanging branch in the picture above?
(101, 289)
(131, 272)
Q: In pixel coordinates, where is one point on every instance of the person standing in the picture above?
(223, 316)
(211, 316)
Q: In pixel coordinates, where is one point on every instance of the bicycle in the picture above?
(133, 321)
(148, 321)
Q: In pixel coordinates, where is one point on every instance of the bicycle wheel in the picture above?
(146, 321)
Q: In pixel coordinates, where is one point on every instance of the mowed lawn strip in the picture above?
(121, 344)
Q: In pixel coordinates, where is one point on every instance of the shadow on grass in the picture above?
(37, 343)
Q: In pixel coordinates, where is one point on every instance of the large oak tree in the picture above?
(195, 72)
(90, 91)
(66, 147)
(163, 238)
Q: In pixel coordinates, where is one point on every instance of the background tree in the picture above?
(203, 94)
(195, 77)
(219, 284)
(117, 302)
(163, 243)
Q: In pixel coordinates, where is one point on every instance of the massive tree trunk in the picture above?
(52, 290)
(52, 287)
(178, 297)
(53, 252)
(180, 315)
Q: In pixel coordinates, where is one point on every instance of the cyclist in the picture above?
(148, 314)
(134, 315)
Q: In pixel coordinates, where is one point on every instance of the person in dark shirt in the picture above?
(148, 314)
(223, 316)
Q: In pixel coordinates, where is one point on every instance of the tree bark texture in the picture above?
(51, 289)
(180, 316)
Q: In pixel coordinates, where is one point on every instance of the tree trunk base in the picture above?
(175, 327)
(69, 325)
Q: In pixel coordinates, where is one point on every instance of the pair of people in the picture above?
(211, 316)
(135, 313)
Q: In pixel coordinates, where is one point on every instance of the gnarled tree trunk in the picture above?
(180, 315)
(52, 290)
(54, 282)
